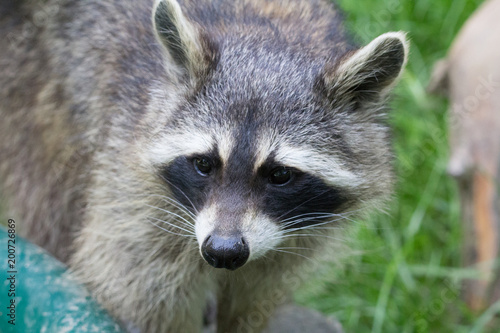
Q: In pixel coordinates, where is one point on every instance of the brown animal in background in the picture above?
(470, 76)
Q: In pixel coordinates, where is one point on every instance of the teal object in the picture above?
(47, 298)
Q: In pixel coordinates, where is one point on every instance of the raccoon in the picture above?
(172, 150)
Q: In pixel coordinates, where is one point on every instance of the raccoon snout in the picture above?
(225, 252)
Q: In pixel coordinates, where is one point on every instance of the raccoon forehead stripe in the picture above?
(264, 148)
(225, 143)
(323, 165)
(166, 149)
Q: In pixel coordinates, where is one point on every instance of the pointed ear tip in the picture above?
(167, 5)
(157, 2)
(399, 36)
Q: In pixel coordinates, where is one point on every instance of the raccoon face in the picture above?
(268, 141)
(243, 207)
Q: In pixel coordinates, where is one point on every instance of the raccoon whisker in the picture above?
(172, 225)
(297, 248)
(186, 222)
(179, 224)
(170, 201)
(175, 203)
(182, 192)
(301, 215)
(345, 217)
(180, 218)
(304, 219)
(312, 218)
(309, 226)
(176, 222)
(189, 234)
(189, 217)
(303, 203)
(352, 212)
(309, 214)
(169, 231)
(327, 228)
(320, 213)
(321, 216)
(180, 206)
(307, 235)
(295, 253)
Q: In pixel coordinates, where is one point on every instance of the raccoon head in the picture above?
(269, 139)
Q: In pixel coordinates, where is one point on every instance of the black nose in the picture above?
(225, 252)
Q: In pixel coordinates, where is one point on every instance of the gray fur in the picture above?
(95, 103)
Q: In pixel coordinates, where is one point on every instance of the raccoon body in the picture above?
(172, 150)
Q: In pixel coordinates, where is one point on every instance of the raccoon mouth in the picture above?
(225, 252)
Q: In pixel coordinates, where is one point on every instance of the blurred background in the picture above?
(405, 273)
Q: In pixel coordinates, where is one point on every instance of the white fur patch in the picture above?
(322, 165)
(225, 144)
(165, 149)
(260, 233)
(205, 223)
(264, 148)
(170, 146)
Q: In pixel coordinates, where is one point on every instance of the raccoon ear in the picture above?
(180, 38)
(368, 74)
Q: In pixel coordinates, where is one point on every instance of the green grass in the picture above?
(405, 273)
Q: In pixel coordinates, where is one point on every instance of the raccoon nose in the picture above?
(222, 252)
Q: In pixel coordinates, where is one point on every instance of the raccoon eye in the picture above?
(280, 176)
(202, 165)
